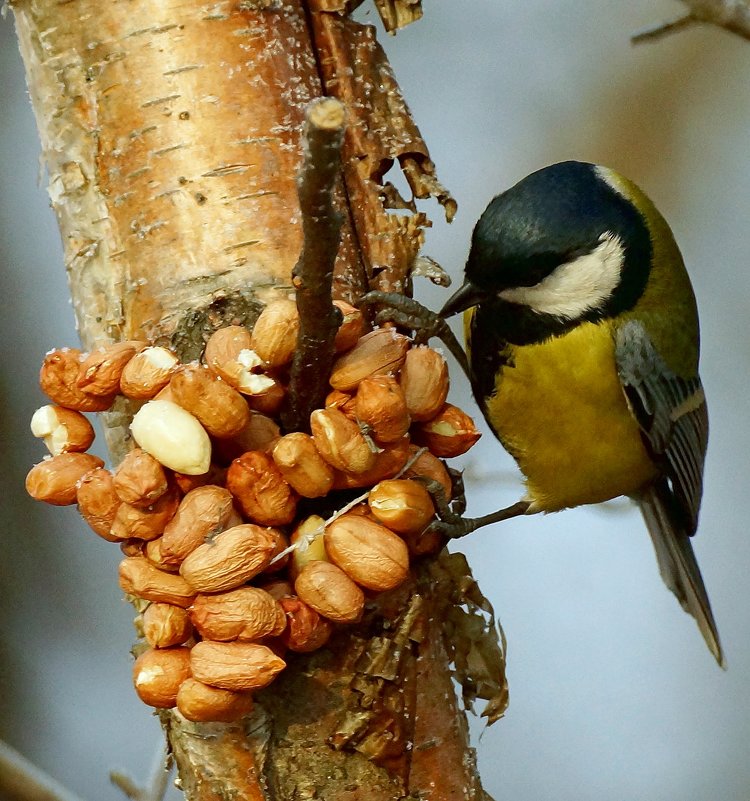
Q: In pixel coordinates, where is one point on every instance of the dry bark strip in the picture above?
(380, 132)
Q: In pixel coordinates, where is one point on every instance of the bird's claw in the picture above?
(443, 507)
(411, 314)
(406, 313)
(451, 531)
(449, 522)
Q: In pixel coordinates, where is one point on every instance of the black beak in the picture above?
(467, 296)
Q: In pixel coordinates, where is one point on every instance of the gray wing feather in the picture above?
(671, 412)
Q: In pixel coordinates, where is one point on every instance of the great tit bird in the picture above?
(582, 336)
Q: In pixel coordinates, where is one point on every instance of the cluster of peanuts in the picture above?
(215, 509)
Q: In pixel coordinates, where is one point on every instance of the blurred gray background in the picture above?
(613, 694)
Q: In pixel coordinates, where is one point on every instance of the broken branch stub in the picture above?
(312, 276)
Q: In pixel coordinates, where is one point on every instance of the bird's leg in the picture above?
(409, 313)
(450, 522)
(465, 525)
(448, 511)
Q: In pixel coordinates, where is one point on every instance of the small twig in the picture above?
(313, 274)
(732, 15)
(661, 29)
(156, 786)
(21, 780)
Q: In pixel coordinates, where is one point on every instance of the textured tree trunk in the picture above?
(171, 133)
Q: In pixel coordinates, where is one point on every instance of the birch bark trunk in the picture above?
(171, 137)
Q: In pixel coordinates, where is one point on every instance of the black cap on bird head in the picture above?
(551, 218)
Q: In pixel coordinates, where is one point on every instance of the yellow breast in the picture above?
(560, 410)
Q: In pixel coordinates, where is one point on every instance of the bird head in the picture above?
(567, 242)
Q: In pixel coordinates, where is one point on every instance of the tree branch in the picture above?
(20, 780)
(662, 29)
(733, 15)
(156, 784)
(312, 276)
(214, 244)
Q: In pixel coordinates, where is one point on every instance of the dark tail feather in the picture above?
(677, 563)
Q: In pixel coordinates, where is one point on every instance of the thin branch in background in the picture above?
(662, 29)
(732, 15)
(155, 788)
(313, 274)
(20, 780)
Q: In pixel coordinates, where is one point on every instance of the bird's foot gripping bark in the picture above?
(408, 313)
(447, 511)
(450, 522)
(462, 526)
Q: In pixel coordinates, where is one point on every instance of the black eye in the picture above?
(533, 269)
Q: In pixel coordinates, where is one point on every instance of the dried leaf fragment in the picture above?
(472, 637)
(398, 13)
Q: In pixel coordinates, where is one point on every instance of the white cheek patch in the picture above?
(578, 286)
